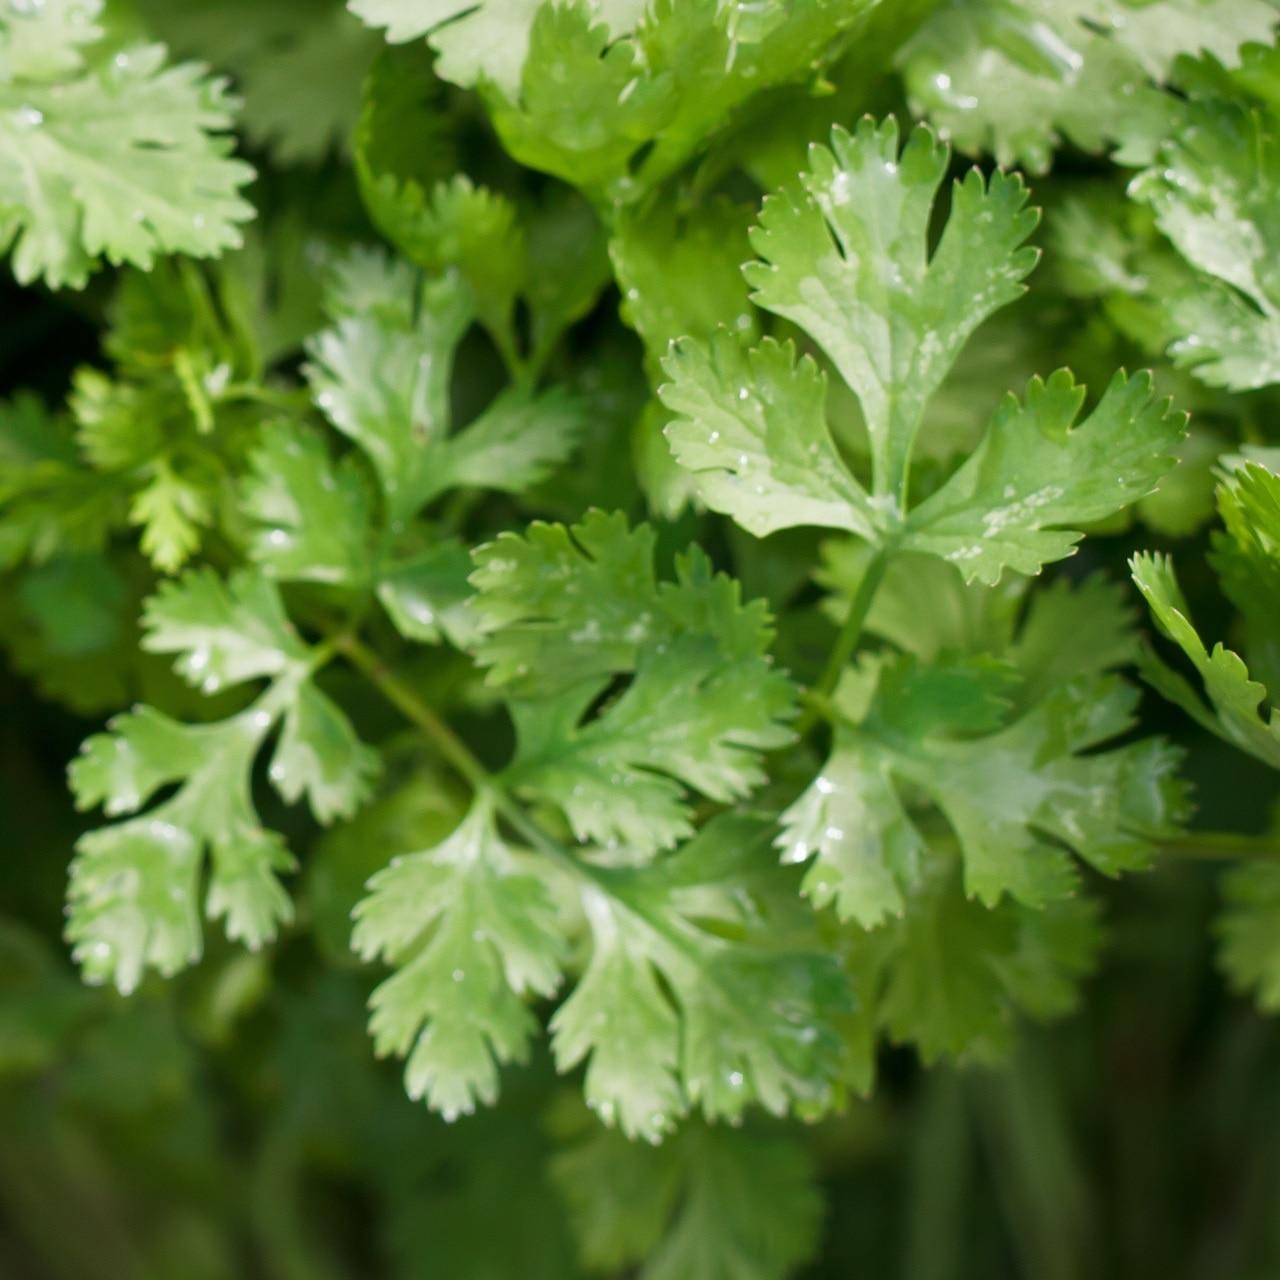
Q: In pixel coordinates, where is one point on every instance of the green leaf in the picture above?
(1055, 633)
(382, 376)
(476, 231)
(173, 514)
(320, 757)
(1018, 78)
(752, 429)
(588, 585)
(417, 805)
(383, 381)
(123, 158)
(516, 443)
(48, 40)
(585, 101)
(311, 517)
(1248, 929)
(561, 606)
(425, 594)
(49, 501)
(601, 82)
(470, 935)
(1017, 793)
(696, 991)
(844, 255)
(716, 1204)
(751, 1019)
(680, 275)
(951, 975)
(298, 65)
(225, 632)
(488, 39)
(70, 628)
(690, 719)
(1246, 558)
(135, 885)
(1212, 190)
(1235, 699)
(1019, 500)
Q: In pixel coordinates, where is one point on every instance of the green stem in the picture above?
(412, 707)
(846, 641)
(1221, 845)
(290, 401)
(452, 748)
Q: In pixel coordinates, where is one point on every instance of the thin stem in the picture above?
(452, 748)
(1221, 845)
(412, 707)
(847, 640)
(293, 401)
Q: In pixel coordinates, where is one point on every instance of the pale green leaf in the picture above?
(1017, 788)
(1235, 700)
(560, 606)
(1248, 929)
(124, 160)
(751, 427)
(311, 516)
(710, 1204)
(691, 719)
(1019, 501)
(471, 934)
(844, 255)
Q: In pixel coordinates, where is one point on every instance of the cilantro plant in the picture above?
(673, 669)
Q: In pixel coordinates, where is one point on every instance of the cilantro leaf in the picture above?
(1209, 191)
(470, 934)
(680, 272)
(752, 429)
(599, 83)
(48, 40)
(123, 158)
(49, 502)
(689, 997)
(585, 102)
(426, 593)
(690, 719)
(135, 884)
(751, 1020)
(1017, 792)
(1249, 940)
(560, 606)
(1246, 558)
(723, 1204)
(311, 517)
(844, 255)
(384, 384)
(298, 65)
(1018, 78)
(382, 377)
(517, 442)
(225, 633)
(488, 39)
(1235, 699)
(949, 975)
(1034, 473)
